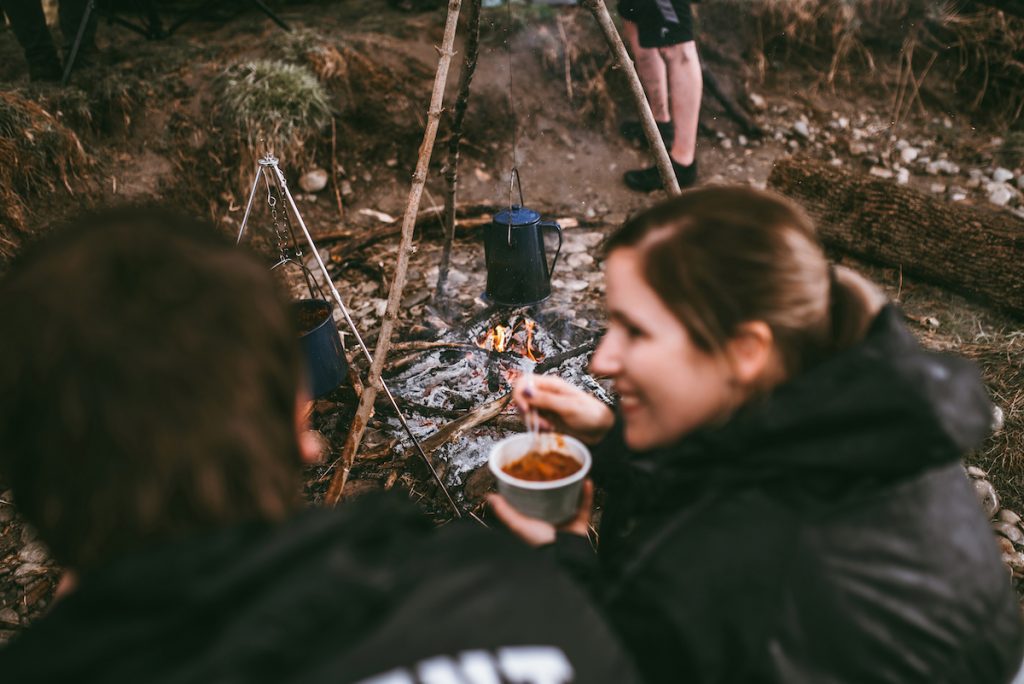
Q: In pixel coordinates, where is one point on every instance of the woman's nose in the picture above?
(605, 362)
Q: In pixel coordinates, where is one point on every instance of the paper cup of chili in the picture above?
(541, 475)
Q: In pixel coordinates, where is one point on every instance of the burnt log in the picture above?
(972, 250)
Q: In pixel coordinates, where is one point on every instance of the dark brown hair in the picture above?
(148, 379)
(722, 256)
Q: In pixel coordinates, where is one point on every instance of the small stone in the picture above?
(456, 278)
(1008, 516)
(726, 144)
(793, 145)
(938, 188)
(976, 472)
(958, 196)
(27, 573)
(973, 183)
(346, 189)
(835, 162)
(33, 553)
(903, 176)
(988, 497)
(391, 163)
(479, 483)
(858, 149)
(1000, 195)
(757, 102)
(909, 154)
(574, 285)
(313, 181)
(880, 172)
(930, 322)
(998, 420)
(743, 141)
(1015, 561)
(802, 129)
(943, 166)
(8, 616)
(1011, 532)
(1005, 545)
(579, 260)
(1002, 175)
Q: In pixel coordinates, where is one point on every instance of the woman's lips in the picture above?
(628, 402)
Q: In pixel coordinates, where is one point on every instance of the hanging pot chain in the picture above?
(514, 174)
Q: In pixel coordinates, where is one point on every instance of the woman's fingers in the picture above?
(532, 531)
(581, 523)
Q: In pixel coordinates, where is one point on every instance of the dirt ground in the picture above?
(145, 118)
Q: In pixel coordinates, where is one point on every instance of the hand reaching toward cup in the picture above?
(563, 408)
(537, 532)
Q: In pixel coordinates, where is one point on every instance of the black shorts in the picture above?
(660, 23)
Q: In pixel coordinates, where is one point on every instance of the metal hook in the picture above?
(513, 180)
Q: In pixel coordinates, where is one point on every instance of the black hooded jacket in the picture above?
(826, 534)
(369, 593)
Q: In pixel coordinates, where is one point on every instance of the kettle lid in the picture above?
(516, 216)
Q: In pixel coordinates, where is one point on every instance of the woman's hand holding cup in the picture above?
(564, 408)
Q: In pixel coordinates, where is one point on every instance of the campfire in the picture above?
(516, 337)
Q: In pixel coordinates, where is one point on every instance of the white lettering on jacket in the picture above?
(511, 665)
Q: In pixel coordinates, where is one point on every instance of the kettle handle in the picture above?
(553, 225)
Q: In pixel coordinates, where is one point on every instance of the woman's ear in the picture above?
(752, 354)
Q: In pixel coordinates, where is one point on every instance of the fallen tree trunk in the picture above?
(975, 251)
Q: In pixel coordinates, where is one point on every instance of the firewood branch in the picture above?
(366, 401)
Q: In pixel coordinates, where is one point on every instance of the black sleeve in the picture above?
(609, 456)
(577, 558)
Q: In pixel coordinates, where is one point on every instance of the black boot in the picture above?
(649, 180)
(46, 69)
(633, 130)
(29, 25)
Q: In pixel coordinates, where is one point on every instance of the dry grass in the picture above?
(38, 156)
(272, 106)
(979, 50)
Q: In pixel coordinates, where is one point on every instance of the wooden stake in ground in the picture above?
(451, 174)
(624, 62)
(973, 250)
(419, 179)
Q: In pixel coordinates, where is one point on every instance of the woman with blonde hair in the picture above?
(784, 498)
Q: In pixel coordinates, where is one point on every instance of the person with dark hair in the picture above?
(150, 424)
(29, 25)
(660, 35)
(785, 500)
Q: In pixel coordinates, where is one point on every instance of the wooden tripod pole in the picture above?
(624, 62)
(419, 179)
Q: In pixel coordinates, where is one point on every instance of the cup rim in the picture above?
(544, 484)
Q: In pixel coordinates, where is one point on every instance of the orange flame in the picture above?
(502, 338)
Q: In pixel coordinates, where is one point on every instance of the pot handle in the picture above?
(553, 225)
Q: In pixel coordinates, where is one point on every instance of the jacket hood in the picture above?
(138, 611)
(882, 408)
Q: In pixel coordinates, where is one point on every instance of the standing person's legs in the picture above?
(650, 67)
(667, 26)
(685, 88)
(29, 25)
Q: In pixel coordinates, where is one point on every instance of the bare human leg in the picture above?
(651, 69)
(685, 86)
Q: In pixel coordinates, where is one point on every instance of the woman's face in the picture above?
(668, 387)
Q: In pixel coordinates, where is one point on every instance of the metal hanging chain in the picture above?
(514, 174)
(288, 244)
(270, 164)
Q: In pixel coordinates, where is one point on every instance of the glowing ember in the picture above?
(517, 339)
